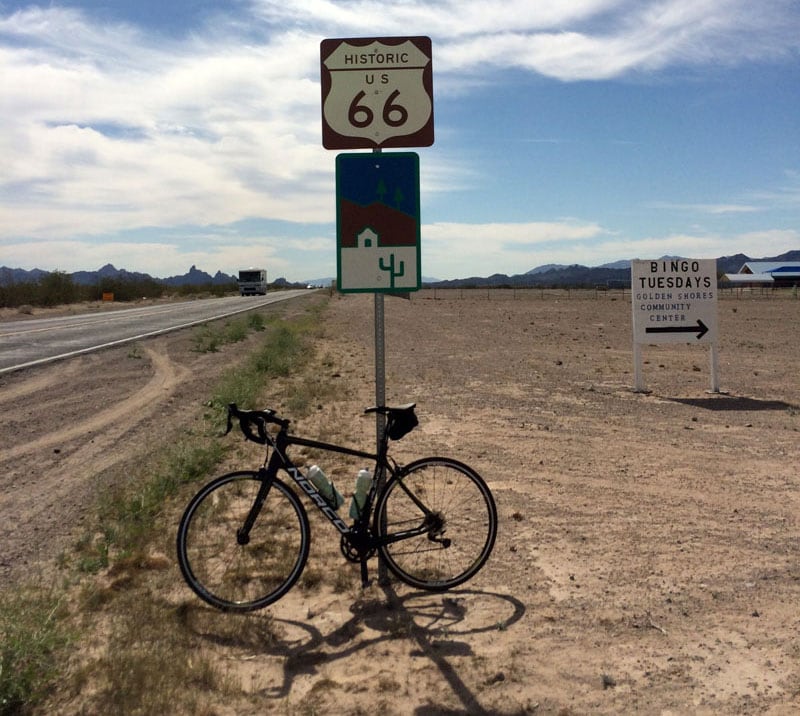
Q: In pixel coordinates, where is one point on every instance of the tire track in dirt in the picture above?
(14, 394)
(38, 503)
(73, 430)
(113, 421)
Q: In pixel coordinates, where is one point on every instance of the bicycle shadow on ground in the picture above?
(436, 622)
(450, 618)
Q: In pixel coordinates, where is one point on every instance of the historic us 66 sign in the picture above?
(376, 92)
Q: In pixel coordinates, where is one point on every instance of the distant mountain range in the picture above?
(194, 277)
(90, 278)
(617, 273)
(613, 274)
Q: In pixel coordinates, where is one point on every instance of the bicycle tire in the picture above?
(457, 495)
(242, 577)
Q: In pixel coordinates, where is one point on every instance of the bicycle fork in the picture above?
(243, 533)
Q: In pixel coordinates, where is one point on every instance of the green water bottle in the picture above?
(363, 483)
(325, 487)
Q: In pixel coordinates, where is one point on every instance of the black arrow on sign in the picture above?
(700, 329)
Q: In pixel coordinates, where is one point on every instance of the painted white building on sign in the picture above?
(373, 266)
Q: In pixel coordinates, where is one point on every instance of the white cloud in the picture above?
(628, 37)
(763, 243)
(159, 259)
(705, 208)
(96, 142)
(774, 241)
(511, 234)
(787, 195)
(454, 250)
(570, 39)
(451, 250)
(442, 18)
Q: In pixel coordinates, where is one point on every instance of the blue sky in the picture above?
(158, 135)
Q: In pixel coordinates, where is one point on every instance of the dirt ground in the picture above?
(647, 557)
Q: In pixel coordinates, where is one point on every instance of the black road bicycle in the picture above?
(243, 540)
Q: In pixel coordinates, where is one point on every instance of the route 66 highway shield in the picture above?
(377, 92)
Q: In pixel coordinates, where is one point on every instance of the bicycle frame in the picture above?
(280, 460)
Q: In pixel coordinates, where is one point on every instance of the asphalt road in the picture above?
(42, 340)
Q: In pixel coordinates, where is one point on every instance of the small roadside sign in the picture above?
(674, 301)
(376, 92)
(378, 222)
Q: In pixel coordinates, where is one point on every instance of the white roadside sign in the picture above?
(674, 301)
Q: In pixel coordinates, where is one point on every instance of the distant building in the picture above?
(766, 273)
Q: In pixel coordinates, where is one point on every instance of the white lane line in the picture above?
(121, 341)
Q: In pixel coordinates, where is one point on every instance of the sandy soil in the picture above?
(647, 559)
(70, 428)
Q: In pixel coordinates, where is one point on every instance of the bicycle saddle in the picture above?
(401, 419)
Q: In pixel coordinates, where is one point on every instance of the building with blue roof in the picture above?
(766, 273)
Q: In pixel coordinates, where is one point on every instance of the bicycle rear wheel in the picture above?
(223, 571)
(455, 507)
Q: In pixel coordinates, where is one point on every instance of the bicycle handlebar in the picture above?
(258, 418)
(400, 421)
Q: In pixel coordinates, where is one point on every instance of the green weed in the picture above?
(33, 638)
(126, 516)
(206, 339)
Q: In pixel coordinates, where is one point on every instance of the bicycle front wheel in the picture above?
(440, 522)
(235, 572)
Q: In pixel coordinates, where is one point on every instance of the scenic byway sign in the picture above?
(376, 92)
(377, 222)
(674, 300)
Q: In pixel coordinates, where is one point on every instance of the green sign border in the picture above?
(354, 158)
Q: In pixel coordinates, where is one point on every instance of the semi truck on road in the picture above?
(252, 281)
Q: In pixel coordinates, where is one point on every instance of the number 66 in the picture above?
(368, 116)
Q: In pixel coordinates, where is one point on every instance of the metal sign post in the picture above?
(376, 93)
(380, 374)
(380, 395)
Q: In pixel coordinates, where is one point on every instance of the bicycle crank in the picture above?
(357, 546)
